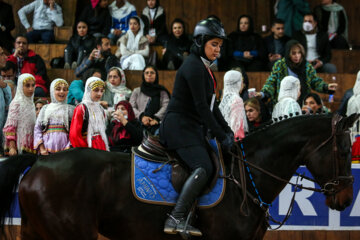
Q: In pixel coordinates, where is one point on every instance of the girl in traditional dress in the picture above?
(51, 133)
(19, 126)
(89, 120)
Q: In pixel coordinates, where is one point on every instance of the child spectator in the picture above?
(314, 104)
(256, 112)
(120, 11)
(39, 105)
(51, 133)
(125, 130)
(19, 126)
(46, 13)
(133, 47)
(88, 124)
(8, 75)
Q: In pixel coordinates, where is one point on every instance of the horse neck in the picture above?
(279, 151)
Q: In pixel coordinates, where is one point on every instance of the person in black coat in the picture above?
(177, 46)
(125, 130)
(80, 44)
(6, 25)
(191, 114)
(247, 47)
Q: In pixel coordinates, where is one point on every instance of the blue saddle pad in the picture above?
(156, 188)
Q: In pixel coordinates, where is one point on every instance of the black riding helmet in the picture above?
(206, 30)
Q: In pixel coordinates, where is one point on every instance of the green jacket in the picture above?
(280, 70)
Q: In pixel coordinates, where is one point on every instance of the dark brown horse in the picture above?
(79, 193)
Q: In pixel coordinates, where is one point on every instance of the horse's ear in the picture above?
(348, 122)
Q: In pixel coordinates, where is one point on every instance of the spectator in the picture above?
(88, 124)
(288, 95)
(27, 61)
(348, 94)
(316, 44)
(76, 89)
(232, 106)
(150, 100)
(51, 133)
(177, 46)
(313, 104)
(7, 24)
(46, 13)
(115, 88)
(2, 58)
(248, 51)
(256, 112)
(294, 64)
(79, 45)
(39, 105)
(120, 11)
(100, 57)
(133, 47)
(125, 130)
(333, 20)
(153, 16)
(19, 126)
(275, 43)
(98, 18)
(292, 12)
(8, 75)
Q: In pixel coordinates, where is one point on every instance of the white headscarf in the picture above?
(22, 113)
(133, 41)
(121, 92)
(59, 112)
(288, 94)
(232, 105)
(97, 120)
(353, 106)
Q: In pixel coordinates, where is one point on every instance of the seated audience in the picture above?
(115, 88)
(256, 113)
(120, 11)
(77, 87)
(287, 99)
(8, 75)
(27, 61)
(150, 100)
(248, 51)
(133, 47)
(19, 126)
(125, 130)
(313, 104)
(316, 44)
(348, 94)
(78, 47)
(333, 20)
(294, 64)
(51, 133)
(153, 16)
(275, 43)
(177, 46)
(39, 105)
(7, 24)
(100, 57)
(232, 106)
(88, 124)
(98, 18)
(46, 13)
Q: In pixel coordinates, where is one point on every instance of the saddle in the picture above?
(151, 149)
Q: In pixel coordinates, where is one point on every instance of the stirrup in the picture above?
(173, 226)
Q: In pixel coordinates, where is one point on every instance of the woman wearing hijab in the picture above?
(287, 99)
(125, 130)
(294, 64)
(150, 100)
(88, 124)
(19, 126)
(51, 133)
(115, 89)
(133, 47)
(247, 47)
(232, 105)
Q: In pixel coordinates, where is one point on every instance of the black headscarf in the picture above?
(152, 90)
(299, 69)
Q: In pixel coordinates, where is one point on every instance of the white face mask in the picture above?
(308, 27)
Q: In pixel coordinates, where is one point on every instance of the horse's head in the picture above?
(330, 163)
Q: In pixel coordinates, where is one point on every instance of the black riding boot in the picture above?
(176, 222)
